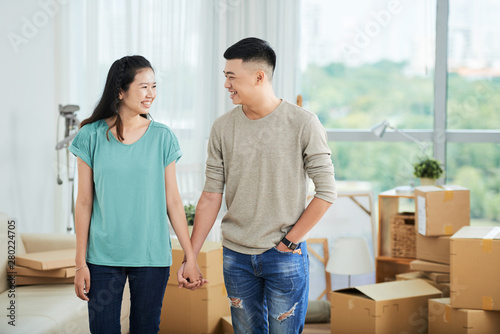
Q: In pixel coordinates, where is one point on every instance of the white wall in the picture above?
(28, 116)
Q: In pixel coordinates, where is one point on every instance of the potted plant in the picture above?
(428, 170)
(189, 210)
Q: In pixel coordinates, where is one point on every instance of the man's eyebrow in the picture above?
(147, 83)
(228, 72)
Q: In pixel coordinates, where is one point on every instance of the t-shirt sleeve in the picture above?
(317, 160)
(82, 146)
(172, 149)
(214, 171)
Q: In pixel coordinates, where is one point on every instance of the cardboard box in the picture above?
(391, 307)
(435, 249)
(429, 266)
(47, 260)
(441, 210)
(475, 269)
(437, 277)
(446, 320)
(227, 325)
(443, 287)
(23, 271)
(26, 280)
(209, 262)
(200, 311)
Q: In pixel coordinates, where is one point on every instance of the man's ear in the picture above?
(261, 76)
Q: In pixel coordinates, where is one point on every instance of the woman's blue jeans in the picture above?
(147, 288)
(268, 292)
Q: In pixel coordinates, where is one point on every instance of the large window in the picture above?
(369, 61)
(474, 65)
(431, 68)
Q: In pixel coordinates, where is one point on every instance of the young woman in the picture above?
(126, 189)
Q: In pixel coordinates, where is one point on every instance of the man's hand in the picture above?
(195, 282)
(283, 248)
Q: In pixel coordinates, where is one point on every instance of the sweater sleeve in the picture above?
(82, 145)
(214, 171)
(317, 160)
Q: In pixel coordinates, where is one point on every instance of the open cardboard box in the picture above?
(443, 287)
(443, 319)
(441, 210)
(391, 307)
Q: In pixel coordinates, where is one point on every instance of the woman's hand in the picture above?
(82, 283)
(189, 276)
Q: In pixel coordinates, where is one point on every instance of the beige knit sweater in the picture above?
(263, 165)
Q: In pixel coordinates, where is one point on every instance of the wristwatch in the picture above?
(288, 243)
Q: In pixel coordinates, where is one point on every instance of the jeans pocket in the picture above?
(281, 252)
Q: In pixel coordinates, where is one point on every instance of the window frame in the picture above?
(439, 135)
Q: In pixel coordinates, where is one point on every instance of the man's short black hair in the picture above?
(252, 49)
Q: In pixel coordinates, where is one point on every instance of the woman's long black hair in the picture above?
(120, 76)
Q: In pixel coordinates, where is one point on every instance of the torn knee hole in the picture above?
(287, 314)
(236, 302)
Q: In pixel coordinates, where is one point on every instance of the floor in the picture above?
(316, 329)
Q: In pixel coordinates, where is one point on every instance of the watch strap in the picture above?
(288, 243)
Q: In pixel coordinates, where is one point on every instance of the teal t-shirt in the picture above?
(129, 216)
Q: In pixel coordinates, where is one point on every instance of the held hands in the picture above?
(189, 276)
(82, 283)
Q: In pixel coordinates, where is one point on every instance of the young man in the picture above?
(261, 152)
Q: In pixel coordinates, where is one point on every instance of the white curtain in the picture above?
(184, 40)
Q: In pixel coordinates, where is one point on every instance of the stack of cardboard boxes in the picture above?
(450, 250)
(50, 267)
(453, 259)
(199, 311)
(439, 212)
(474, 303)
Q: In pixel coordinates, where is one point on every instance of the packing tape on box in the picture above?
(448, 195)
(448, 229)
(487, 245)
(447, 311)
(487, 303)
(488, 240)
